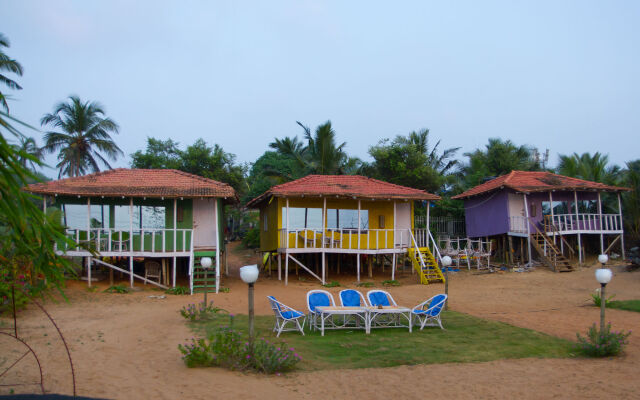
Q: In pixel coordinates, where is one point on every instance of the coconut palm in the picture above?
(84, 138)
(589, 167)
(9, 65)
(28, 152)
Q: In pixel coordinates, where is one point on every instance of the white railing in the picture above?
(106, 240)
(348, 239)
(518, 224)
(586, 222)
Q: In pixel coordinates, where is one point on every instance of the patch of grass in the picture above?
(467, 339)
(390, 283)
(122, 289)
(629, 305)
(332, 284)
(224, 290)
(178, 290)
(365, 284)
(92, 289)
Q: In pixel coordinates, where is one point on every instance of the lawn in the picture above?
(466, 339)
(629, 305)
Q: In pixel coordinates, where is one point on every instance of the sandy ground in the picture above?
(124, 346)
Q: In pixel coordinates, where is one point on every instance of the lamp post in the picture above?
(205, 262)
(603, 275)
(249, 275)
(446, 262)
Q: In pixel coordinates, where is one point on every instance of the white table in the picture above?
(327, 312)
(375, 317)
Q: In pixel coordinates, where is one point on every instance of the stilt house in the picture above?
(552, 212)
(165, 218)
(337, 215)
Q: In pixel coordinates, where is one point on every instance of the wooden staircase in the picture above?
(426, 265)
(553, 257)
(204, 279)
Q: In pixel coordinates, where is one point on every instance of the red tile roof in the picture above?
(118, 182)
(530, 181)
(343, 186)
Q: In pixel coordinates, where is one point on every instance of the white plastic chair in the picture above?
(428, 312)
(318, 298)
(285, 314)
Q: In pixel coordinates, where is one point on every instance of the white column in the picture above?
(217, 201)
(428, 217)
(621, 225)
(600, 227)
(575, 198)
(279, 266)
(394, 224)
(44, 205)
(175, 233)
(324, 220)
(358, 251)
(286, 246)
(131, 241)
(286, 267)
(88, 239)
(552, 216)
(526, 214)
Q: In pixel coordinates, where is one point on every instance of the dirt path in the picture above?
(124, 346)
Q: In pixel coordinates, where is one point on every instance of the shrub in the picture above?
(122, 289)
(199, 311)
(596, 299)
(251, 239)
(332, 284)
(178, 290)
(365, 284)
(604, 344)
(390, 283)
(226, 348)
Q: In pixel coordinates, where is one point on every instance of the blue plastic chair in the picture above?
(428, 312)
(318, 298)
(285, 314)
(352, 298)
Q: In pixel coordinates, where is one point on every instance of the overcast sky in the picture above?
(561, 75)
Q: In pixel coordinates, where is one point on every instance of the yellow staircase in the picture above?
(426, 265)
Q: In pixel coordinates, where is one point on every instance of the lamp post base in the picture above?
(602, 306)
(251, 333)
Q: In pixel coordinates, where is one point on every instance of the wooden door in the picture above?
(204, 223)
(403, 224)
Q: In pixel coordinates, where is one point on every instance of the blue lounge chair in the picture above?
(430, 310)
(318, 298)
(285, 314)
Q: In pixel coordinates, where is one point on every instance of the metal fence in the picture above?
(452, 227)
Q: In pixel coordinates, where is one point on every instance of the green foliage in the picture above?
(121, 289)
(597, 300)
(224, 290)
(390, 283)
(332, 284)
(200, 311)
(84, 138)
(628, 305)
(10, 65)
(631, 200)
(199, 159)
(498, 158)
(589, 167)
(408, 161)
(270, 169)
(27, 235)
(365, 284)
(229, 348)
(602, 344)
(178, 290)
(251, 239)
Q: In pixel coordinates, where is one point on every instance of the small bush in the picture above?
(199, 311)
(332, 284)
(226, 348)
(178, 290)
(390, 283)
(122, 289)
(224, 290)
(604, 344)
(365, 284)
(251, 239)
(596, 299)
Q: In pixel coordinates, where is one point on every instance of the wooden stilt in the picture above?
(339, 257)
(358, 266)
(89, 271)
(279, 266)
(173, 276)
(370, 266)
(393, 266)
(510, 239)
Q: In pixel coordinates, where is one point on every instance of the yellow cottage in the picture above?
(344, 214)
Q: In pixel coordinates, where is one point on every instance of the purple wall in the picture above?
(487, 215)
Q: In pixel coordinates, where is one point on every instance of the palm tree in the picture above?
(589, 167)
(10, 65)
(321, 155)
(28, 152)
(84, 136)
